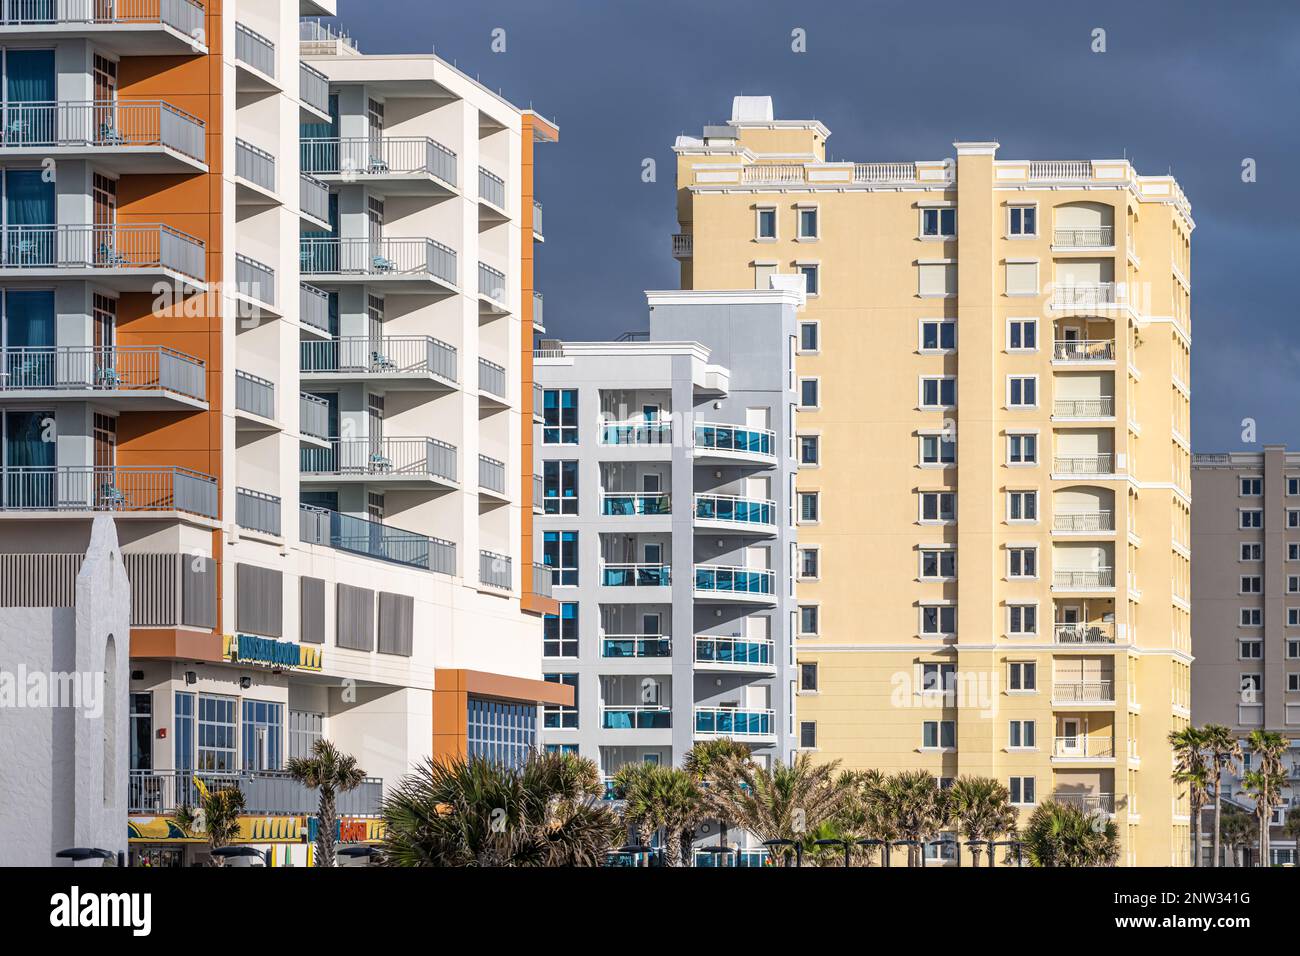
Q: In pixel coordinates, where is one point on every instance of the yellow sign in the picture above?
(267, 652)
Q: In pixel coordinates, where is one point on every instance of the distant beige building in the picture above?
(994, 490)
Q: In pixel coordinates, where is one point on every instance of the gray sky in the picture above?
(1186, 85)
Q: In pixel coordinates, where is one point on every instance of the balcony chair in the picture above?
(109, 256)
(109, 135)
(15, 131)
(377, 166)
(106, 377)
(379, 362)
(380, 463)
(382, 264)
(112, 497)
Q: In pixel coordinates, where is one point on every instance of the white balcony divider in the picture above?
(106, 124)
(107, 368)
(108, 247)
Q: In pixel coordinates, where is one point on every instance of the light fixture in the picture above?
(191, 677)
(245, 682)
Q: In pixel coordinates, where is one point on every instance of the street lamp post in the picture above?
(244, 852)
(884, 850)
(847, 844)
(721, 853)
(1020, 859)
(798, 849)
(79, 854)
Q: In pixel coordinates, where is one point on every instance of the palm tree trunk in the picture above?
(1218, 816)
(686, 841)
(1196, 834)
(325, 821)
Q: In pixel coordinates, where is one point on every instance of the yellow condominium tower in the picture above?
(994, 487)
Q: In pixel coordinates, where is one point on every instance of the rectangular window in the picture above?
(938, 619)
(1022, 335)
(1251, 518)
(560, 554)
(1292, 518)
(1293, 648)
(939, 223)
(811, 276)
(215, 742)
(807, 677)
(936, 279)
(1252, 487)
(1293, 551)
(938, 392)
(1251, 617)
(1022, 619)
(1022, 278)
(184, 731)
(1022, 790)
(1250, 650)
(938, 564)
(809, 506)
(808, 619)
(1252, 551)
(1252, 584)
(305, 728)
(939, 677)
(1022, 449)
(263, 735)
(808, 223)
(1023, 221)
(1022, 735)
(560, 487)
(938, 734)
(808, 734)
(560, 416)
(808, 562)
(1022, 675)
(765, 224)
(560, 632)
(809, 449)
(938, 506)
(558, 716)
(938, 335)
(808, 337)
(809, 393)
(1293, 584)
(1022, 506)
(1022, 562)
(1022, 391)
(938, 450)
(1293, 683)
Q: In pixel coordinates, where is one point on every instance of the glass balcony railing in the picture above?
(635, 503)
(732, 508)
(733, 650)
(636, 575)
(636, 645)
(734, 580)
(731, 438)
(636, 432)
(641, 717)
(729, 722)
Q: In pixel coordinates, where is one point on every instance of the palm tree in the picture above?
(1192, 770)
(1264, 781)
(331, 772)
(710, 760)
(981, 808)
(1236, 829)
(916, 806)
(476, 812)
(1291, 828)
(217, 814)
(778, 802)
(1062, 834)
(629, 786)
(666, 797)
(1224, 750)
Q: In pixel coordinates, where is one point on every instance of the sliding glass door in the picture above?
(27, 335)
(30, 115)
(29, 474)
(29, 218)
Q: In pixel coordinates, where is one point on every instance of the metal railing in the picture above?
(266, 792)
(636, 645)
(1087, 237)
(1083, 464)
(388, 355)
(102, 368)
(254, 164)
(184, 16)
(539, 318)
(98, 124)
(733, 650)
(1103, 406)
(491, 474)
(729, 722)
(1084, 579)
(683, 245)
(539, 494)
(1083, 521)
(1104, 802)
(1081, 746)
(491, 283)
(539, 399)
(374, 539)
(254, 50)
(322, 39)
(494, 569)
(620, 575)
(491, 187)
(1085, 296)
(254, 394)
(313, 88)
(254, 279)
(1103, 633)
(718, 437)
(1061, 169)
(257, 510)
(618, 503)
(733, 508)
(106, 488)
(1084, 350)
(77, 246)
(313, 197)
(314, 307)
(542, 579)
(491, 378)
(710, 577)
(379, 156)
(313, 416)
(381, 457)
(636, 432)
(377, 257)
(537, 220)
(636, 717)
(1101, 690)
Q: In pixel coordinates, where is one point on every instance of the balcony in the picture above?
(636, 575)
(415, 362)
(314, 308)
(125, 135)
(492, 378)
(146, 378)
(637, 431)
(85, 488)
(256, 167)
(683, 245)
(735, 584)
(313, 417)
(542, 580)
(125, 27)
(1083, 522)
(255, 55)
(1100, 691)
(1082, 351)
(539, 322)
(1084, 409)
(266, 792)
(735, 514)
(729, 722)
(127, 257)
(538, 233)
(1090, 579)
(641, 717)
(380, 260)
(1080, 747)
(623, 646)
(257, 511)
(314, 90)
(322, 39)
(1092, 295)
(491, 189)
(381, 461)
(492, 475)
(492, 288)
(1096, 466)
(386, 165)
(1057, 170)
(732, 442)
(373, 539)
(255, 281)
(618, 503)
(1090, 237)
(314, 200)
(494, 570)
(734, 654)
(1084, 634)
(254, 395)
(1090, 802)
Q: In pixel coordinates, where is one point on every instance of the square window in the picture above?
(560, 487)
(1022, 676)
(560, 416)
(1022, 734)
(560, 554)
(560, 632)
(1022, 506)
(1023, 221)
(1022, 335)
(1250, 518)
(938, 564)
(1252, 551)
(1251, 617)
(938, 734)
(938, 450)
(1252, 487)
(1022, 619)
(1022, 562)
(1252, 584)
(938, 619)
(1022, 391)
(939, 392)
(1250, 650)
(938, 506)
(1022, 449)
(938, 335)
(939, 223)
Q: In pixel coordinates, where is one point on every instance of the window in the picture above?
(808, 337)
(939, 223)
(1293, 584)
(560, 487)
(184, 730)
(562, 749)
(558, 716)
(938, 506)
(1022, 619)
(1022, 506)
(1022, 391)
(936, 279)
(500, 732)
(938, 619)
(809, 506)
(809, 449)
(1252, 487)
(263, 735)
(1022, 735)
(938, 734)
(811, 273)
(1292, 486)
(765, 222)
(938, 564)
(1251, 584)
(1022, 790)
(1251, 518)
(938, 392)
(1022, 335)
(1022, 562)
(938, 450)
(809, 392)
(1022, 221)
(560, 632)
(560, 416)
(560, 554)
(305, 728)
(141, 734)
(215, 740)
(1292, 518)
(1251, 617)
(808, 619)
(1293, 683)
(807, 677)
(1022, 676)
(763, 272)
(1293, 648)
(1022, 277)
(808, 734)
(939, 679)
(938, 335)
(1293, 551)
(1250, 650)
(1022, 449)
(808, 562)
(1252, 551)
(808, 224)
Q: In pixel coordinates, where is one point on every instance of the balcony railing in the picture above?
(257, 511)
(492, 378)
(491, 283)
(314, 307)
(636, 432)
(101, 124)
(107, 488)
(266, 792)
(1084, 296)
(1090, 237)
(255, 165)
(379, 156)
(102, 368)
(1081, 746)
(313, 88)
(1083, 580)
(1084, 350)
(619, 503)
(492, 188)
(636, 575)
(732, 438)
(494, 569)
(744, 857)
(1103, 802)
(539, 494)
(636, 645)
(1061, 169)
(710, 577)
(1084, 521)
(322, 39)
(254, 50)
(1103, 633)
(683, 245)
(373, 539)
(313, 197)
(884, 172)
(313, 416)
(378, 257)
(492, 474)
(381, 458)
(107, 247)
(1103, 406)
(254, 279)
(734, 650)
(639, 717)
(184, 16)
(1083, 464)
(254, 394)
(388, 355)
(728, 722)
(539, 318)
(733, 508)
(1101, 691)
(537, 220)
(542, 579)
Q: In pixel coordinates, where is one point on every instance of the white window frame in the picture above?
(1022, 747)
(817, 327)
(799, 553)
(1255, 547)
(937, 208)
(799, 495)
(1033, 785)
(1023, 320)
(941, 606)
(1017, 236)
(1241, 519)
(1022, 665)
(1252, 611)
(1250, 494)
(939, 746)
(1022, 521)
(759, 209)
(940, 549)
(817, 381)
(920, 336)
(1022, 433)
(920, 392)
(1022, 378)
(938, 433)
(920, 507)
(817, 437)
(799, 209)
(1255, 643)
(1022, 605)
(1257, 578)
(933, 262)
(799, 618)
(1012, 549)
(816, 266)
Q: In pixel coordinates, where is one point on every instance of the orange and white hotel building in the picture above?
(270, 303)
